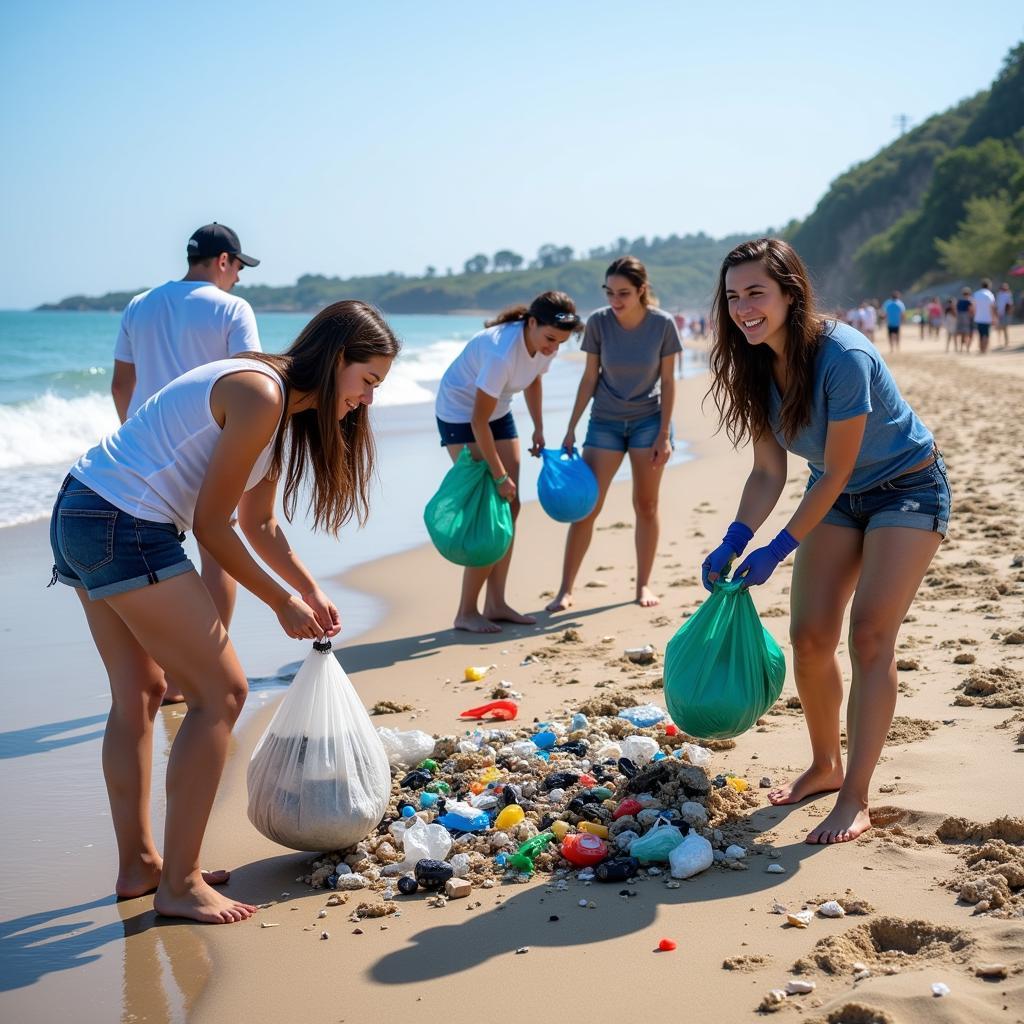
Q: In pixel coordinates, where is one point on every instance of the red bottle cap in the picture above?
(666, 945)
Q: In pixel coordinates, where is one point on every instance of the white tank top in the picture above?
(153, 466)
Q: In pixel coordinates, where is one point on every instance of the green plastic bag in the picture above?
(468, 521)
(723, 670)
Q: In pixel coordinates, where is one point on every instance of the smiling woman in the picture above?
(211, 441)
(873, 514)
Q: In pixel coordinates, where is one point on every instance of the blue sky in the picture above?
(341, 138)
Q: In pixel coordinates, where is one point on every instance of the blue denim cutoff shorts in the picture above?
(621, 435)
(920, 500)
(104, 551)
(502, 429)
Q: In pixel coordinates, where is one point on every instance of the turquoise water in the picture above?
(55, 397)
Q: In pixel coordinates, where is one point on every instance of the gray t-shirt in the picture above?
(851, 379)
(629, 385)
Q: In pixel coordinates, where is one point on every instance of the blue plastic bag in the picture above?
(567, 487)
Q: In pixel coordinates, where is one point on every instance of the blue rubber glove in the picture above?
(758, 566)
(736, 538)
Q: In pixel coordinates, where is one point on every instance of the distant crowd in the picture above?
(972, 313)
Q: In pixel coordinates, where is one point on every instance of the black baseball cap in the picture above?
(213, 239)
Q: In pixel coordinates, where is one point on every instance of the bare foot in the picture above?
(560, 603)
(198, 902)
(646, 598)
(144, 877)
(847, 820)
(503, 613)
(813, 781)
(476, 623)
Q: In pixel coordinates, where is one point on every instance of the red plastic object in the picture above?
(671, 730)
(584, 849)
(666, 945)
(627, 807)
(588, 780)
(506, 710)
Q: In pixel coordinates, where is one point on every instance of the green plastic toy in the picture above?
(522, 860)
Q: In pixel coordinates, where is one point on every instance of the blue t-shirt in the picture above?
(894, 310)
(850, 379)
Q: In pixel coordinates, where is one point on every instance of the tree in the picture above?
(431, 272)
(553, 256)
(983, 245)
(476, 264)
(505, 259)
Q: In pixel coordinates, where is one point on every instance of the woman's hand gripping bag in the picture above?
(723, 670)
(319, 778)
(567, 487)
(467, 519)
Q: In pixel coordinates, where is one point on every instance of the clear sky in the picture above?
(345, 138)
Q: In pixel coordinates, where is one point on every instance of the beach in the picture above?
(953, 762)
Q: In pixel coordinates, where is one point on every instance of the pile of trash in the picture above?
(609, 796)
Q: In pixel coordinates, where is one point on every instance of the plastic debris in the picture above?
(644, 716)
(801, 919)
(666, 946)
(693, 855)
(406, 748)
(505, 710)
(474, 673)
(773, 1001)
(799, 987)
(641, 655)
(940, 988)
(775, 869)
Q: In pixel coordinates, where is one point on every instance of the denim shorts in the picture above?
(103, 550)
(502, 429)
(920, 500)
(621, 435)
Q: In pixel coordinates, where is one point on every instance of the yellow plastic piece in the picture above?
(491, 775)
(593, 828)
(740, 785)
(559, 828)
(474, 673)
(511, 815)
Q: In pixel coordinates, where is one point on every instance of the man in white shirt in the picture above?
(176, 327)
(1004, 310)
(868, 319)
(984, 312)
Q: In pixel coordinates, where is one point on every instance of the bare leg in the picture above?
(894, 563)
(223, 589)
(824, 575)
(605, 464)
(136, 687)
(646, 484)
(496, 607)
(176, 623)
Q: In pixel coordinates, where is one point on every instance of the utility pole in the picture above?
(902, 122)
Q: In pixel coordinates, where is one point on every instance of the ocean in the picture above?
(55, 402)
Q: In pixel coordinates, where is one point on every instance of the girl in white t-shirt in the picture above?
(473, 408)
(219, 437)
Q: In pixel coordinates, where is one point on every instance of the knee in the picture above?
(812, 640)
(869, 643)
(234, 697)
(646, 508)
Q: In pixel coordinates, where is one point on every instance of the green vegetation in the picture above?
(944, 201)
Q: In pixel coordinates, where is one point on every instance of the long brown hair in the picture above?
(635, 273)
(741, 374)
(549, 309)
(339, 453)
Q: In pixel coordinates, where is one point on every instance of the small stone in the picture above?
(775, 869)
(798, 987)
(582, 903)
(357, 931)
(765, 782)
(861, 975)
(591, 905)
(907, 664)
(325, 935)
(992, 970)
(322, 913)
(735, 852)
(801, 919)
(773, 1001)
(939, 989)
(554, 917)
(778, 908)
(831, 909)
(964, 659)
(269, 924)
(457, 888)
(522, 949)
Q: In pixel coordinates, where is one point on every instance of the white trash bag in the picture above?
(319, 778)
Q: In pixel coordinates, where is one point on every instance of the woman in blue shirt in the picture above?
(872, 517)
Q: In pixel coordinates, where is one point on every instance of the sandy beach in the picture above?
(922, 906)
